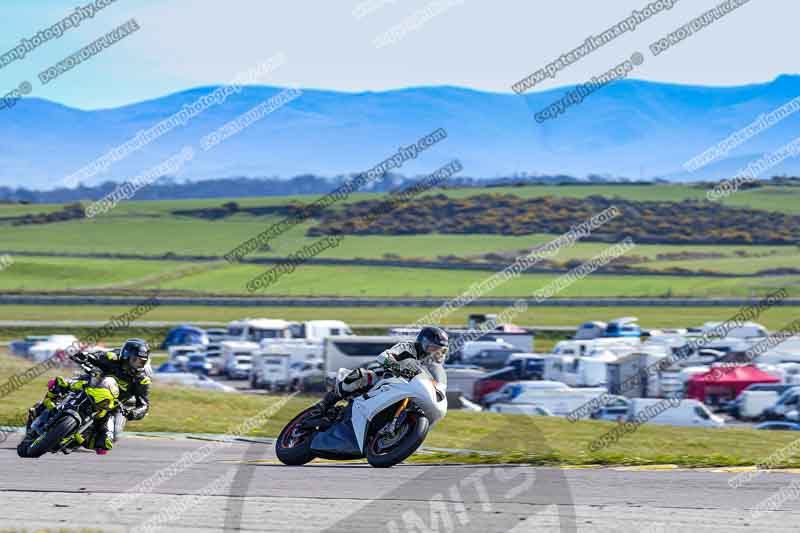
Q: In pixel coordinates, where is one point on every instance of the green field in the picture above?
(517, 439)
(220, 278)
(163, 235)
(650, 317)
(407, 282)
(45, 273)
(150, 228)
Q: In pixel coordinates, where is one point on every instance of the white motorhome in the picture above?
(692, 413)
(257, 329)
(270, 371)
(354, 351)
(587, 371)
(243, 342)
(273, 360)
(588, 347)
(318, 330)
(237, 358)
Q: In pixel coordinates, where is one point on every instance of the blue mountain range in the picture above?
(629, 128)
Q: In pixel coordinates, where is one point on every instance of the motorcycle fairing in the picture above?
(389, 392)
(338, 441)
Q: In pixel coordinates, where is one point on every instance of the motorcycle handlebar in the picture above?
(82, 360)
(405, 373)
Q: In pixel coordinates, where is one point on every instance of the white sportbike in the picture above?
(386, 424)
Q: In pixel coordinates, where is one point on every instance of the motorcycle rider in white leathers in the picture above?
(429, 349)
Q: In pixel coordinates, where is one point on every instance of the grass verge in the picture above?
(514, 438)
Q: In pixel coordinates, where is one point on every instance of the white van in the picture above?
(751, 404)
(354, 351)
(510, 391)
(691, 413)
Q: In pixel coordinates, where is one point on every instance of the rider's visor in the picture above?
(438, 353)
(432, 348)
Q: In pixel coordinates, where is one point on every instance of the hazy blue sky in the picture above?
(482, 44)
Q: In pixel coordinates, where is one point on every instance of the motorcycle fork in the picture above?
(397, 414)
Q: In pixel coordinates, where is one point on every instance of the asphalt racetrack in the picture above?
(241, 487)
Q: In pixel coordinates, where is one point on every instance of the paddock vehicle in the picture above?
(71, 423)
(556, 402)
(686, 413)
(386, 424)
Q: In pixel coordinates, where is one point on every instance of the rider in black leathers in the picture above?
(129, 365)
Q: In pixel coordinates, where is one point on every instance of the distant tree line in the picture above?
(242, 187)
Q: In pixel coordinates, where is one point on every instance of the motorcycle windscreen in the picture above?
(338, 441)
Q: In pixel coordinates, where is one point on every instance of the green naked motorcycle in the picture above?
(71, 423)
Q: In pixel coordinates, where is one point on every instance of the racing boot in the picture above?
(101, 441)
(330, 399)
(323, 409)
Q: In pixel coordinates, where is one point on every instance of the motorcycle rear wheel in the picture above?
(293, 446)
(50, 440)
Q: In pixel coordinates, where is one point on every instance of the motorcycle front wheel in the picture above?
(293, 445)
(384, 451)
(50, 440)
